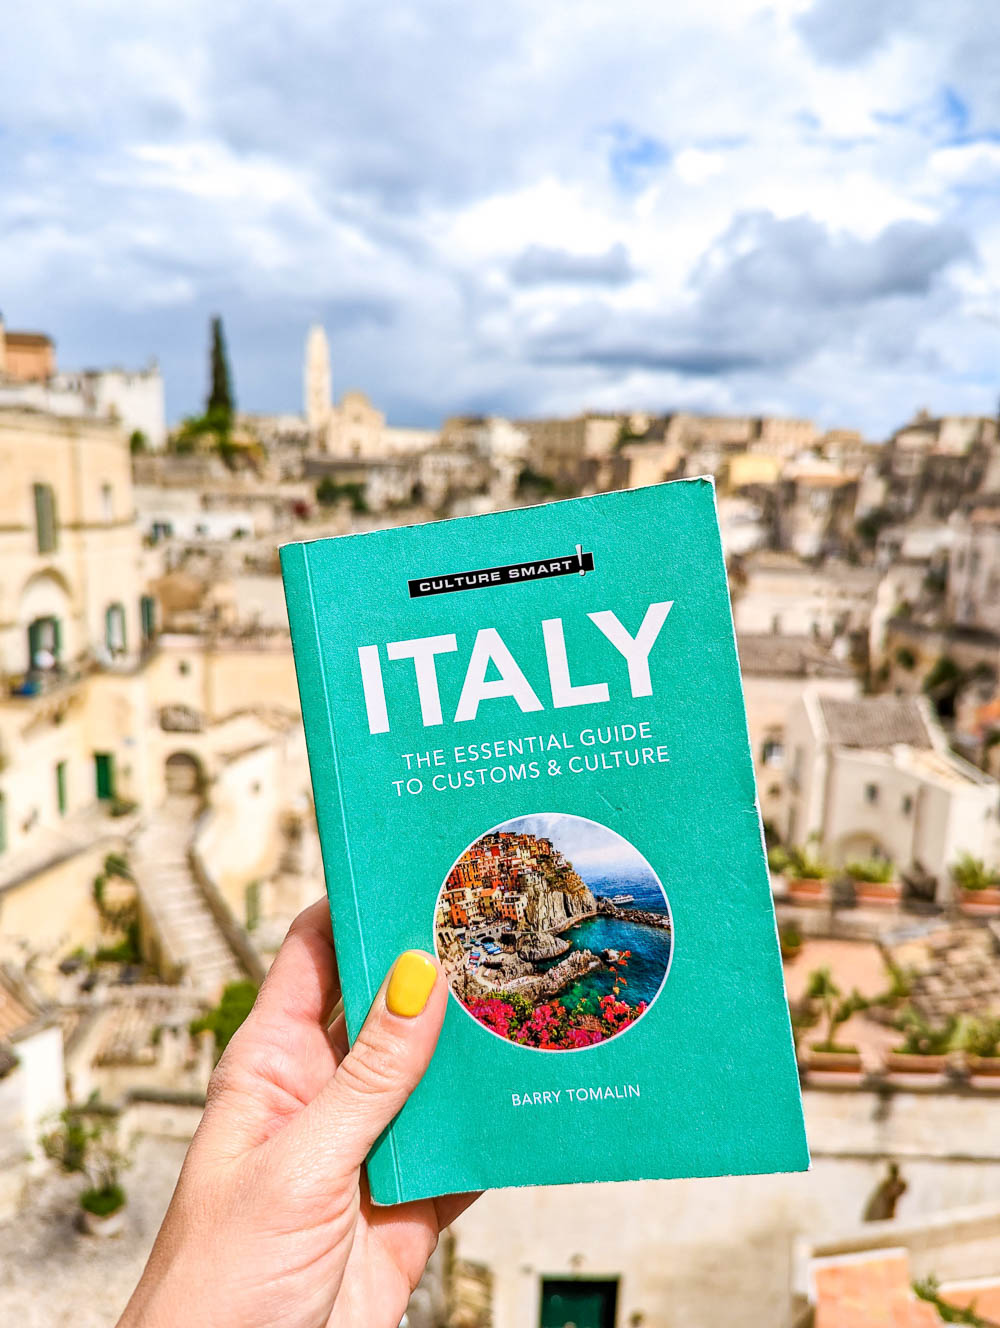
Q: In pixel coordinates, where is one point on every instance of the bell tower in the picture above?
(318, 400)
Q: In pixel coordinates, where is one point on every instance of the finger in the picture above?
(337, 1033)
(385, 1064)
(302, 984)
(450, 1206)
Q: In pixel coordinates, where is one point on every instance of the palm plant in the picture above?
(971, 873)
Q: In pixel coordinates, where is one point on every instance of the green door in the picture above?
(578, 1303)
(104, 768)
(61, 787)
(147, 614)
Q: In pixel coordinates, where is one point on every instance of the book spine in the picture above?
(321, 746)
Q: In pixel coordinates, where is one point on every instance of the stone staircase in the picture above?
(189, 935)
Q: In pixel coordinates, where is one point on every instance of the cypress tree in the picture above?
(220, 399)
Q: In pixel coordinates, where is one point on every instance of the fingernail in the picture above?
(412, 981)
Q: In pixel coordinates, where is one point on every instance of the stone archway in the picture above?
(183, 775)
(858, 847)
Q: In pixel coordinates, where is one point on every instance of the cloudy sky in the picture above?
(518, 208)
(593, 849)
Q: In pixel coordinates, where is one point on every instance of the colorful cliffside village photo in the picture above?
(554, 932)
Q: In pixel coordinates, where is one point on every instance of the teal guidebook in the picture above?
(529, 756)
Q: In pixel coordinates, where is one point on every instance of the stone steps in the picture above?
(174, 901)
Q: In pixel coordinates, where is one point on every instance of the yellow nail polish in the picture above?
(412, 981)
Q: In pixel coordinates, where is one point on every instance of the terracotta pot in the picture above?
(980, 903)
(833, 1062)
(905, 1062)
(883, 893)
(983, 1067)
(806, 891)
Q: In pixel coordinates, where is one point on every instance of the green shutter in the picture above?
(46, 522)
(147, 612)
(34, 640)
(61, 787)
(3, 823)
(104, 769)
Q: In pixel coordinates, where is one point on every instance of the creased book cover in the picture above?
(529, 755)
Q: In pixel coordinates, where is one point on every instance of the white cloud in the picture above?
(452, 187)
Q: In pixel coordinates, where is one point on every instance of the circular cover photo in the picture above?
(554, 932)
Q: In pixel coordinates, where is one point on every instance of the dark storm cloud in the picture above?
(771, 293)
(539, 266)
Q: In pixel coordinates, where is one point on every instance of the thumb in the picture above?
(385, 1064)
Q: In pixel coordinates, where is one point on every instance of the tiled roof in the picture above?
(875, 722)
(788, 656)
(869, 1291)
(27, 339)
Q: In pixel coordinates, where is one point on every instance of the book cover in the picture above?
(529, 755)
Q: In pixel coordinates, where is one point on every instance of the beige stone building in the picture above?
(777, 670)
(974, 569)
(875, 777)
(26, 357)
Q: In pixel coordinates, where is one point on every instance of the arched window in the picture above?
(44, 643)
(114, 629)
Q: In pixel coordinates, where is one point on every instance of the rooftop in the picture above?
(869, 1290)
(875, 722)
(788, 656)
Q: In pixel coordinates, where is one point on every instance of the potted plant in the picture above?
(926, 1048)
(83, 1144)
(834, 1008)
(790, 939)
(977, 885)
(874, 881)
(979, 1038)
(806, 877)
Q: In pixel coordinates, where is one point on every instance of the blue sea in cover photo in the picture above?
(610, 866)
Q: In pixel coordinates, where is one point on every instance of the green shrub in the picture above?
(234, 1005)
(778, 859)
(905, 658)
(978, 1036)
(806, 865)
(328, 492)
(103, 1202)
(922, 1038)
(971, 873)
(790, 939)
(871, 869)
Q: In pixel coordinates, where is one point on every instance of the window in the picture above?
(114, 629)
(183, 667)
(46, 520)
(907, 804)
(871, 793)
(773, 752)
(61, 787)
(104, 773)
(147, 617)
(44, 644)
(107, 503)
(579, 1301)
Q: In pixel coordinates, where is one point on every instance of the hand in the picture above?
(271, 1223)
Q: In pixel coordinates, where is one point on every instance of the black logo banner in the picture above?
(513, 574)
